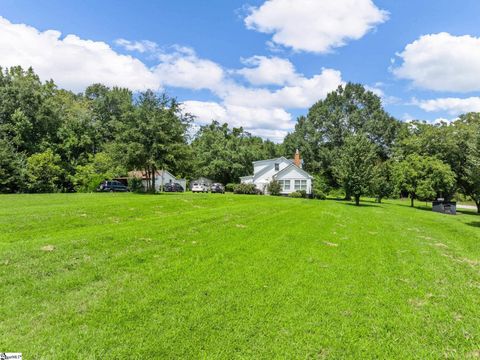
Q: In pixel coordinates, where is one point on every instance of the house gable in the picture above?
(292, 172)
(267, 173)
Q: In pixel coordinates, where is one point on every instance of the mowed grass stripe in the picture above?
(236, 276)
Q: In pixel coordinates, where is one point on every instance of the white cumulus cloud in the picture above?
(183, 68)
(271, 123)
(442, 62)
(261, 110)
(72, 62)
(315, 25)
(262, 107)
(264, 70)
(453, 106)
(303, 93)
(142, 46)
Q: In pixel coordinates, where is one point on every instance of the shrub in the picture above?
(135, 184)
(274, 188)
(337, 193)
(44, 172)
(320, 184)
(230, 187)
(295, 194)
(248, 189)
(303, 193)
(99, 167)
(320, 196)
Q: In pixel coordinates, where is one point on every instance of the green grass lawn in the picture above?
(110, 276)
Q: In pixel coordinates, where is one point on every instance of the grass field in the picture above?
(110, 276)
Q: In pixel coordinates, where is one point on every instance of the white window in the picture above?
(303, 184)
(300, 184)
(297, 184)
(284, 184)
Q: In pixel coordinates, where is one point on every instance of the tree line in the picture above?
(350, 142)
(54, 140)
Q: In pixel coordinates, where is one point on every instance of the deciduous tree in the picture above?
(354, 167)
(424, 177)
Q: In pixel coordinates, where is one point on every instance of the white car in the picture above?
(196, 187)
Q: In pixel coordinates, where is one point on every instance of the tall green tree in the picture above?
(107, 107)
(424, 178)
(443, 141)
(153, 135)
(382, 182)
(349, 110)
(355, 165)
(469, 177)
(27, 119)
(12, 169)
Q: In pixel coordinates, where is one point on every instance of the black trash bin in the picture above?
(445, 207)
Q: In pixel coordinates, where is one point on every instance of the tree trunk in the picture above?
(412, 200)
(153, 178)
(149, 179)
(357, 200)
(163, 180)
(477, 202)
(348, 197)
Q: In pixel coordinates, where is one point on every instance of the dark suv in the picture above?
(173, 187)
(112, 186)
(217, 188)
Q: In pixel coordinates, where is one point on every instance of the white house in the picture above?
(162, 177)
(288, 173)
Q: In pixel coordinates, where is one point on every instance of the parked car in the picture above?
(196, 187)
(112, 186)
(173, 187)
(217, 188)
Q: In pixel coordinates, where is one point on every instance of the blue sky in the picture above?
(259, 63)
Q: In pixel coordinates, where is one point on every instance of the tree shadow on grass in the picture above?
(418, 205)
(467, 212)
(474, 224)
(335, 199)
(429, 209)
(362, 204)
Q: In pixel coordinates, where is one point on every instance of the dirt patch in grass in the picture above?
(418, 303)
(470, 261)
(474, 354)
(330, 244)
(48, 248)
(464, 260)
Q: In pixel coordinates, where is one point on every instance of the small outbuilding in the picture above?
(162, 177)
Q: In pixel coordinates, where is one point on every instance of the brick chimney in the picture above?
(296, 159)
